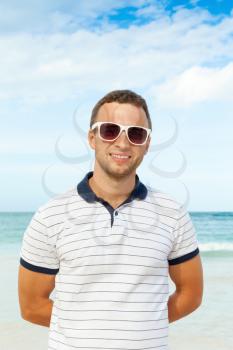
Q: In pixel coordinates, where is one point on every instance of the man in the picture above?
(108, 246)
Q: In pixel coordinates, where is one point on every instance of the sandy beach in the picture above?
(208, 328)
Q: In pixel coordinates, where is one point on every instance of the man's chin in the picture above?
(121, 172)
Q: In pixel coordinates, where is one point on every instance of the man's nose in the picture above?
(122, 139)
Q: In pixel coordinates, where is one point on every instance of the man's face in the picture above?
(125, 114)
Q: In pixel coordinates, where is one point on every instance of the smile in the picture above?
(119, 156)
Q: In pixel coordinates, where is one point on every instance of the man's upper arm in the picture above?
(39, 263)
(38, 252)
(33, 287)
(188, 276)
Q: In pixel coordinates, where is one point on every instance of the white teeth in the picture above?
(118, 156)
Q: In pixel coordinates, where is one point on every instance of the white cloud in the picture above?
(57, 67)
(152, 9)
(65, 15)
(197, 84)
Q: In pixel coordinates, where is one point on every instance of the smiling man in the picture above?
(109, 245)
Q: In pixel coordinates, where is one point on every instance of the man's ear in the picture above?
(91, 139)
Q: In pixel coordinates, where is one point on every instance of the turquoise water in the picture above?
(12, 226)
(214, 231)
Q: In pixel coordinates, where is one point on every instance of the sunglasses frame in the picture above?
(122, 128)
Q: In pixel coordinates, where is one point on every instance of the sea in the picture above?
(207, 328)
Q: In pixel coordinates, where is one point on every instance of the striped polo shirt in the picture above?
(111, 266)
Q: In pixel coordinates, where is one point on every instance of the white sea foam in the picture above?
(215, 246)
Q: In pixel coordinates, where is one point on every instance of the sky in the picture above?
(57, 59)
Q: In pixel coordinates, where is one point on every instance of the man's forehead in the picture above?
(115, 108)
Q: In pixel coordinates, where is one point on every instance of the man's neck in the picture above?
(113, 190)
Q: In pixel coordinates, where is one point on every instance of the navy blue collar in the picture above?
(85, 191)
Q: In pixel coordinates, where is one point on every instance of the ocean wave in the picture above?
(216, 246)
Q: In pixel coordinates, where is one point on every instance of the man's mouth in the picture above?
(120, 156)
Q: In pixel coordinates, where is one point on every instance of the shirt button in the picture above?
(116, 213)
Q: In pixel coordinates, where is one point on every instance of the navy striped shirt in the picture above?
(111, 266)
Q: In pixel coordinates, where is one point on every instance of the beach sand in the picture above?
(208, 328)
(22, 336)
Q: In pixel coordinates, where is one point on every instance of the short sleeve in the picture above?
(185, 245)
(38, 251)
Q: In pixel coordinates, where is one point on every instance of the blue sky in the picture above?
(58, 58)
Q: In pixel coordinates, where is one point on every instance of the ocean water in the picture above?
(214, 231)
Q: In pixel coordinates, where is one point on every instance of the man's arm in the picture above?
(188, 279)
(34, 289)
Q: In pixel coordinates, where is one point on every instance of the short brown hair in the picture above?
(121, 96)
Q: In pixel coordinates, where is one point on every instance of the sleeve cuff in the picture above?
(38, 268)
(184, 257)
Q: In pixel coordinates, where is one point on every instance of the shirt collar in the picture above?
(85, 191)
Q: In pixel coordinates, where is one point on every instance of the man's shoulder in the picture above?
(59, 202)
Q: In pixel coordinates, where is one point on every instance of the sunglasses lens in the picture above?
(137, 135)
(109, 131)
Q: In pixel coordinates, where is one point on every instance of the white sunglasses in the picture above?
(107, 131)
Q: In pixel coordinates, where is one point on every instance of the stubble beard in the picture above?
(121, 172)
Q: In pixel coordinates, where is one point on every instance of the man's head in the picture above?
(126, 108)
(121, 96)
